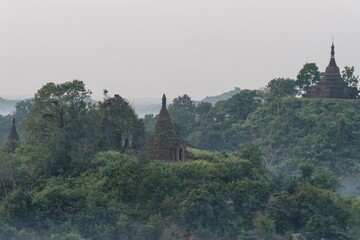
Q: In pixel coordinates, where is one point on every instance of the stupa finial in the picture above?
(164, 100)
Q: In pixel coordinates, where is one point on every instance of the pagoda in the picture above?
(12, 139)
(331, 84)
(164, 144)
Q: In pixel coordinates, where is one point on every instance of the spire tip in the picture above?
(164, 100)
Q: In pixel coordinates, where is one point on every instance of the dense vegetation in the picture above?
(290, 131)
(215, 196)
(269, 169)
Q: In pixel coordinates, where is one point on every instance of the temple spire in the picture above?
(332, 49)
(164, 101)
(332, 68)
(13, 138)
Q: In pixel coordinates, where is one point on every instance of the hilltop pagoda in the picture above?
(164, 144)
(331, 84)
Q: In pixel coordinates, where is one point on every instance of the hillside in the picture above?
(223, 96)
(7, 106)
(290, 131)
(323, 132)
(71, 176)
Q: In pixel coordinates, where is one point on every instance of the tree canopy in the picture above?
(273, 169)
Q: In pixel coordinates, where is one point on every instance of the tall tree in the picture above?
(60, 127)
(121, 129)
(183, 113)
(23, 109)
(282, 87)
(351, 81)
(309, 75)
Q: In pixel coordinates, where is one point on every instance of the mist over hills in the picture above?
(145, 106)
(7, 106)
(142, 106)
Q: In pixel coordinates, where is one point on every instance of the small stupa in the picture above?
(164, 144)
(12, 139)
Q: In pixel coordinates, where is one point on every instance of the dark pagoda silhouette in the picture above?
(164, 144)
(331, 84)
(12, 139)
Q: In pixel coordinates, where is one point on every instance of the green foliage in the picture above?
(351, 82)
(67, 236)
(64, 183)
(289, 131)
(58, 200)
(10, 233)
(215, 127)
(282, 87)
(311, 200)
(354, 221)
(253, 154)
(265, 227)
(322, 227)
(219, 197)
(325, 180)
(55, 129)
(149, 123)
(120, 127)
(309, 75)
(319, 132)
(183, 113)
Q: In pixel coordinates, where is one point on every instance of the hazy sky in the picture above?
(143, 48)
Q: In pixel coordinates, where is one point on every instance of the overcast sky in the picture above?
(143, 48)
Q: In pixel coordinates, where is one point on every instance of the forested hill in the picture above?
(73, 176)
(223, 96)
(290, 131)
(318, 132)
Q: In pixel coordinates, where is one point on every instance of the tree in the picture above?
(183, 102)
(311, 201)
(282, 87)
(351, 81)
(121, 129)
(348, 76)
(149, 121)
(323, 227)
(8, 173)
(239, 106)
(182, 111)
(354, 221)
(23, 109)
(309, 75)
(265, 227)
(253, 153)
(202, 109)
(60, 129)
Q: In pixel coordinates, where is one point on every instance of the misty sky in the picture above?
(143, 48)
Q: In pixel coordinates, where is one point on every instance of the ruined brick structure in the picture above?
(331, 84)
(12, 139)
(164, 144)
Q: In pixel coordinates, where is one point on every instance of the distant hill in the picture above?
(7, 106)
(145, 106)
(223, 96)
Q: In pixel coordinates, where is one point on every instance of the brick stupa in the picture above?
(331, 84)
(12, 139)
(164, 144)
